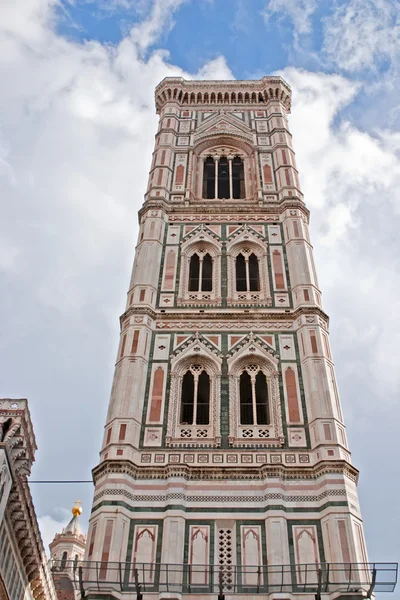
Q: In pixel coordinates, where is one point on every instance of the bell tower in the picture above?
(225, 469)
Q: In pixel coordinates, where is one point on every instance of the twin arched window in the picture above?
(253, 394)
(200, 273)
(254, 405)
(195, 397)
(247, 273)
(223, 178)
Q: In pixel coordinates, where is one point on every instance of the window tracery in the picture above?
(195, 396)
(200, 277)
(247, 262)
(223, 177)
(193, 416)
(200, 272)
(254, 399)
(253, 394)
(247, 272)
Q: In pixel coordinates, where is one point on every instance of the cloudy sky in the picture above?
(77, 125)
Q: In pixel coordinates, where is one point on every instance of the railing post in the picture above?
(319, 589)
(120, 577)
(137, 586)
(327, 577)
(81, 588)
(350, 573)
(97, 575)
(373, 581)
(221, 594)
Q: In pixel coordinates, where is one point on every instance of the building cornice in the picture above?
(227, 315)
(219, 473)
(238, 93)
(225, 211)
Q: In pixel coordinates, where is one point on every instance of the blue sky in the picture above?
(77, 124)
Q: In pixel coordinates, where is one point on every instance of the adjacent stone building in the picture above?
(24, 572)
(225, 469)
(66, 553)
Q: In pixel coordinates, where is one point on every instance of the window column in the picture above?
(253, 396)
(200, 288)
(216, 159)
(230, 158)
(196, 387)
(246, 258)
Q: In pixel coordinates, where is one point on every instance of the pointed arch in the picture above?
(194, 396)
(254, 394)
(200, 270)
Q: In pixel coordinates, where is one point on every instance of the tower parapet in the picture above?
(231, 93)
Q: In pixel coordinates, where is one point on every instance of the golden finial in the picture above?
(77, 508)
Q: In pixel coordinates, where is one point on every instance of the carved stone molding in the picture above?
(254, 353)
(244, 94)
(215, 472)
(194, 351)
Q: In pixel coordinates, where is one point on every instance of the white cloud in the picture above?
(8, 255)
(216, 68)
(159, 21)
(50, 526)
(77, 125)
(298, 11)
(361, 34)
(351, 181)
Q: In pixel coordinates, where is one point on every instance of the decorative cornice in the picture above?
(223, 473)
(233, 93)
(268, 319)
(198, 209)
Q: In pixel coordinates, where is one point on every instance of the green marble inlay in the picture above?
(208, 509)
(290, 524)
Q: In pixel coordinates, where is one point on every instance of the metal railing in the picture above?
(357, 578)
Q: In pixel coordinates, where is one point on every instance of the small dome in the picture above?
(74, 526)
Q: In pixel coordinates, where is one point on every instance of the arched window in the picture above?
(223, 178)
(209, 178)
(207, 274)
(229, 172)
(195, 398)
(63, 561)
(254, 408)
(237, 178)
(194, 272)
(247, 273)
(200, 273)
(76, 558)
